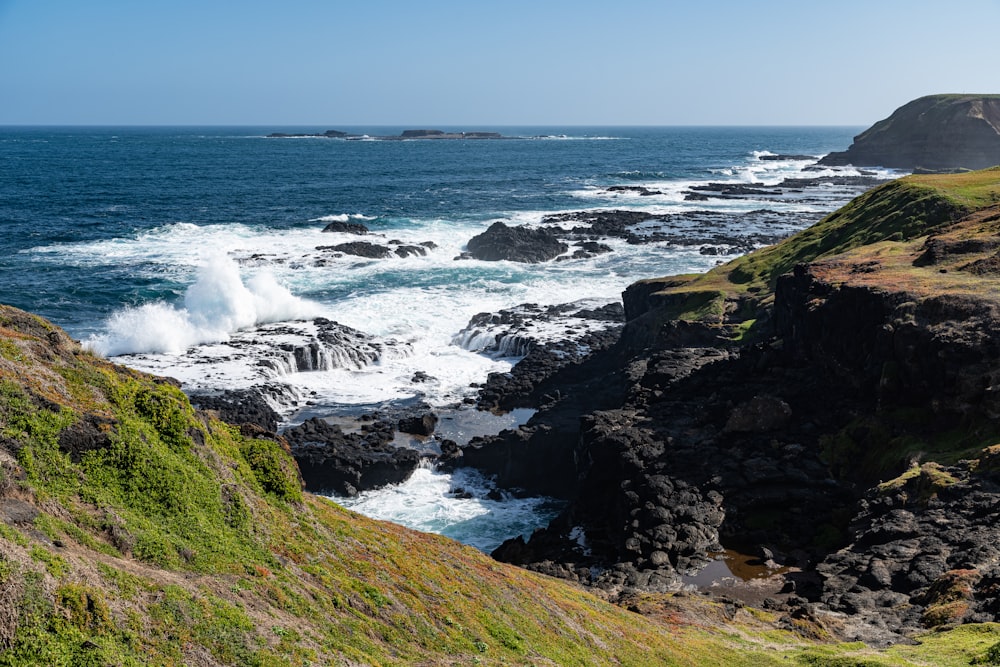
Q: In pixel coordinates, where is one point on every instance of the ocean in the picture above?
(199, 253)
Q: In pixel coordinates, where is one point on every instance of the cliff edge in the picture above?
(936, 133)
(825, 408)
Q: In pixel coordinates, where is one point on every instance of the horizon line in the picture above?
(430, 125)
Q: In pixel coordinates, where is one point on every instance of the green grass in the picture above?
(898, 211)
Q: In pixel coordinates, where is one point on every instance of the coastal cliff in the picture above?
(937, 133)
(825, 407)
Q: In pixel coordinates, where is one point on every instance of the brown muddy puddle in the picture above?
(731, 567)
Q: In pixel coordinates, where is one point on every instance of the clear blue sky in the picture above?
(483, 62)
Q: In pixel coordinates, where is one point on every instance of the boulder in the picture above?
(359, 249)
(344, 227)
(332, 461)
(418, 424)
(516, 244)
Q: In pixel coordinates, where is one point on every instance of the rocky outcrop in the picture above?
(375, 251)
(876, 363)
(346, 464)
(515, 244)
(441, 134)
(923, 553)
(239, 406)
(345, 227)
(329, 134)
(359, 249)
(933, 133)
(423, 424)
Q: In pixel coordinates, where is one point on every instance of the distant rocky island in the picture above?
(936, 133)
(403, 136)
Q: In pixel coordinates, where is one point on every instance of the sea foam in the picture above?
(428, 501)
(342, 217)
(217, 304)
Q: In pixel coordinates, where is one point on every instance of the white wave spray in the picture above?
(217, 304)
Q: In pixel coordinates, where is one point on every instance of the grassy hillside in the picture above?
(139, 532)
(135, 530)
(902, 210)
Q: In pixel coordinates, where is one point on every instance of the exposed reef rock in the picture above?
(346, 464)
(376, 251)
(516, 244)
(344, 227)
(933, 133)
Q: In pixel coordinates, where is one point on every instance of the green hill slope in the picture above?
(735, 295)
(137, 531)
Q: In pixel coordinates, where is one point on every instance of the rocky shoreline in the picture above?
(824, 407)
(841, 442)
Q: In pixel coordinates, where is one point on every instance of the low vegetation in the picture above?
(901, 211)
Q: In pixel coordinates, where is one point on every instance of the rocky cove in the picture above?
(824, 409)
(826, 406)
(837, 421)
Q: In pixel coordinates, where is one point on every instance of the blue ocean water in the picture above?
(168, 244)
(64, 186)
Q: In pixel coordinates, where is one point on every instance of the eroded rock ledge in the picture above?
(838, 422)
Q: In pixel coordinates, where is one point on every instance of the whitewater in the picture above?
(213, 265)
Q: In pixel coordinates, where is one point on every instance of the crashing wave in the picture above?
(216, 306)
(514, 332)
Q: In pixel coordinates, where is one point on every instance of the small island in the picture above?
(404, 136)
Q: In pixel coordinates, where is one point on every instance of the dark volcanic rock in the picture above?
(516, 244)
(332, 461)
(640, 190)
(701, 453)
(92, 432)
(410, 250)
(733, 190)
(934, 133)
(586, 250)
(359, 248)
(419, 424)
(239, 406)
(511, 332)
(693, 228)
(930, 542)
(344, 227)
(783, 158)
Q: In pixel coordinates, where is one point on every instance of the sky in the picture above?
(468, 63)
